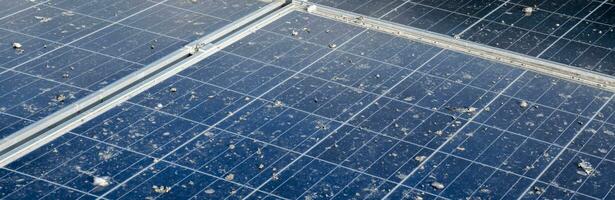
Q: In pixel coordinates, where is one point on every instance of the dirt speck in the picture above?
(229, 177)
(586, 168)
(17, 45)
(527, 11)
(42, 19)
(161, 189)
(68, 13)
(103, 181)
(311, 8)
(420, 158)
(60, 98)
(537, 190)
(437, 185)
(209, 191)
(469, 109)
(278, 104)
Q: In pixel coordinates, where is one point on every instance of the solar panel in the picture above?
(70, 49)
(313, 108)
(575, 33)
(304, 108)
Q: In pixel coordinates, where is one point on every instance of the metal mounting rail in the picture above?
(479, 50)
(57, 124)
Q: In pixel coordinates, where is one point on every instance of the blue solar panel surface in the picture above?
(277, 116)
(579, 33)
(73, 48)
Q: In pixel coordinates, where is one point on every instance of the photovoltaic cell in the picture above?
(311, 108)
(578, 33)
(67, 54)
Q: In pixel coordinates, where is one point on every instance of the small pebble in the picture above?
(332, 46)
(101, 181)
(278, 103)
(420, 158)
(16, 45)
(60, 98)
(209, 191)
(527, 11)
(586, 167)
(161, 189)
(311, 8)
(229, 177)
(437, 185)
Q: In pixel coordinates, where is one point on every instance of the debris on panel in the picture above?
(420, 158)
(101, 181)
(332, 46)
(311, 8)
(65, 75)
(294, 33)
(484, 190)
(437, 185)
(208, 134)
(17, 45)
(409, 99)
(42, 19)
(173, 89)
(161, 189)
(278, 104)
(609, 132)
(194, 1)
(193, 96)
(587, 168)
(209, 191)
(159, 106)
(231, 146)
(261, 166)
(439, 132)
(321, 125)
(523, 104)
(60, 98)
(537, 190)
(229, 177)
(464, 109)
(68, 13)
(527, 11)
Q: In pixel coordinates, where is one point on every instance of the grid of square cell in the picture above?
(497, 148)
(301, 170)
(54, 74)
(578, 33)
